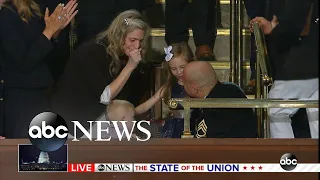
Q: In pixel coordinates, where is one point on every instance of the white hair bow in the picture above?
(169, 55)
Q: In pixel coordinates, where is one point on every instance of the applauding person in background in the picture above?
(25, 41)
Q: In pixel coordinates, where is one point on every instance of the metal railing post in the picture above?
(239, 44)
(233, 41)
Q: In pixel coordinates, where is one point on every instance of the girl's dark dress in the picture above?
(173, 127)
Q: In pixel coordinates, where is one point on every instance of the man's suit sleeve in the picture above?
(254, 8)
(293, 19)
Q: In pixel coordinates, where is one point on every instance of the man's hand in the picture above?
(1, 137)
(266, 26)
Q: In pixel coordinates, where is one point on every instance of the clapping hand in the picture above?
(69, 12)
(59, 19)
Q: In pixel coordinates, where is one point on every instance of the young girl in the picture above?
(177, 56)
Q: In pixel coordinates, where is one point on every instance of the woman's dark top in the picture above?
(77, 96)
(23, 50)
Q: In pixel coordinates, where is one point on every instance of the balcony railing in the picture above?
(189, 103)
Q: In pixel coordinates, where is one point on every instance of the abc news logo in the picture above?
(48, 131)
(101, 167)
(288, 162)
(114, 167)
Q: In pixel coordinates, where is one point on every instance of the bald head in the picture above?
(200, 74)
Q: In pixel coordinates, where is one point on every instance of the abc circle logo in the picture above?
(48, 131)
(288, 161)
(101, 167)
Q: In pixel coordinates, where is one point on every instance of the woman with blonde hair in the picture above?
(26, 36)
(103, 69)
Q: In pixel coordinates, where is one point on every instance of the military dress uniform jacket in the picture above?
(224, 122)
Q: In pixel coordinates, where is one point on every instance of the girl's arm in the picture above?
(144, 107)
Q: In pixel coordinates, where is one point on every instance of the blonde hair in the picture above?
(26, 9)
(178, 49)
(115, 107)
(114, 36)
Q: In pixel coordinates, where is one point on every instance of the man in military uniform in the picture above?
(200, 81)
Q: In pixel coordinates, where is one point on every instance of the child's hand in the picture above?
(160, 92)
(180, 82)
